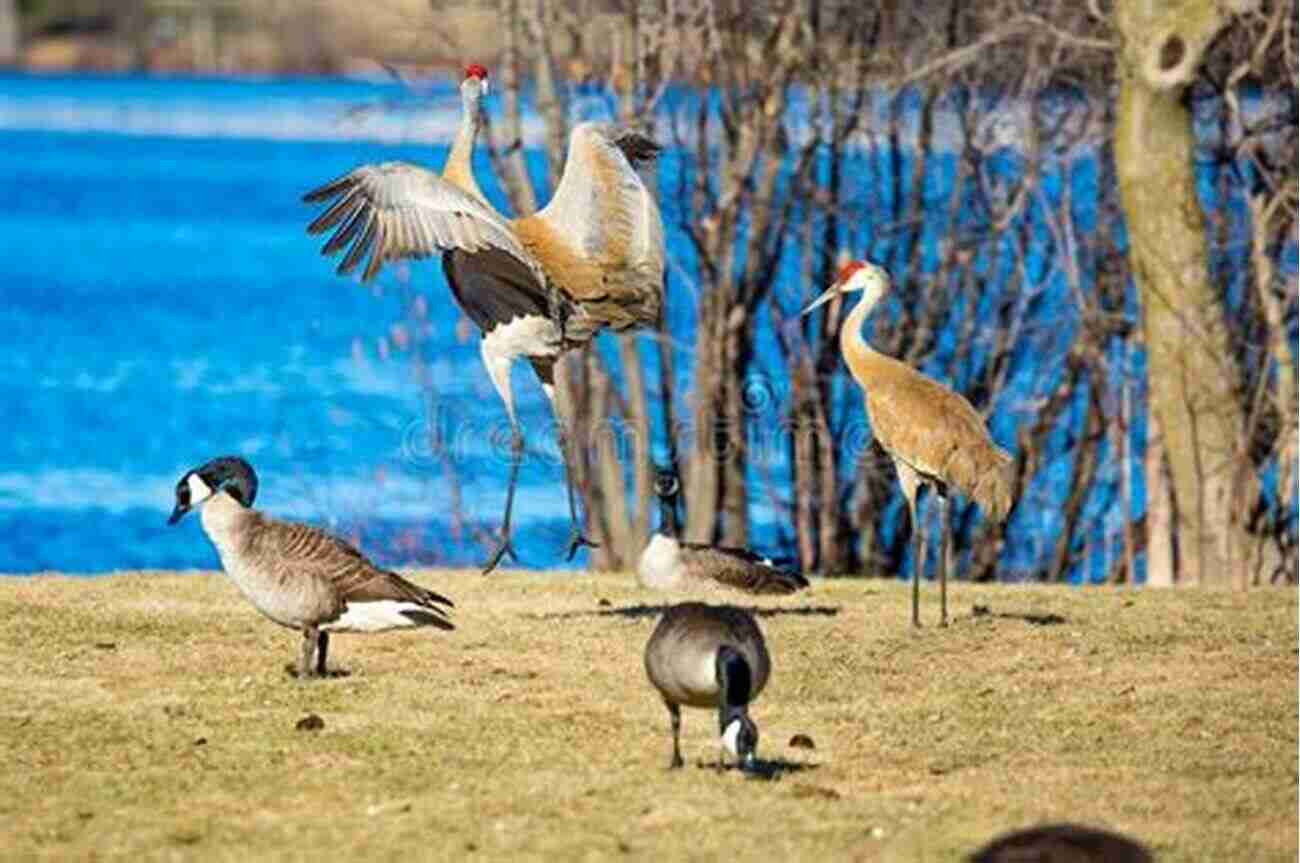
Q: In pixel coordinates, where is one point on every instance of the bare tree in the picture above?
(981, 153)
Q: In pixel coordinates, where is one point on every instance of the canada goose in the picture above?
(667, 563)
(1062, 843)
(298, 575)
(710, 656)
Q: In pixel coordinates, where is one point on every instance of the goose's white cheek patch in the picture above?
(731, 736)
(199, 490)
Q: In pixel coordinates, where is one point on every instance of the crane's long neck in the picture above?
(859, 355)
(459, 169)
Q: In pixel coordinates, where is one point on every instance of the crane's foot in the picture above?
(576, 541)
(504, 547)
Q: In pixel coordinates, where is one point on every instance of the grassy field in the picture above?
(151, 715)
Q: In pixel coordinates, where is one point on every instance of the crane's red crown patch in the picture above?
(847, 271)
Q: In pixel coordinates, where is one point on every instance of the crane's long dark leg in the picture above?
(577, 539)
(545, 368)
(506, 545)
(498, 361)
(911, 484)
(918, 559)
(944, 556)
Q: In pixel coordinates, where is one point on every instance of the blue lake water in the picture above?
(163, 305)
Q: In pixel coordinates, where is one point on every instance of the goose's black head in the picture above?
(735, 684)
(230, 474)
(740, 738)
(667, 487)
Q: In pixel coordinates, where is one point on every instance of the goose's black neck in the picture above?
(668, 516)
(735, 680)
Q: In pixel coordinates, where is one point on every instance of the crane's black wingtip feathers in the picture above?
(327, 191)
(358, 251)
(637, 147)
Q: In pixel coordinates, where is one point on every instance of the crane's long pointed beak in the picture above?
(826, 297)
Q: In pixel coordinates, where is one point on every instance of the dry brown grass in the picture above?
(530, 732)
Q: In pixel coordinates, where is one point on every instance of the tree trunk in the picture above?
(550, 96)
(1190, 371)
(1267, 221)
(1160, 511)
(514, 172)
(701, 480)
(8, 33)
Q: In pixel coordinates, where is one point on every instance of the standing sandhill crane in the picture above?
(536, 286)
(934, 436)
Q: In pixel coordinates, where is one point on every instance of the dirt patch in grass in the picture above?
(151, 714)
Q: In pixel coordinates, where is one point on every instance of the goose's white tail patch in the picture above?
(379, 615)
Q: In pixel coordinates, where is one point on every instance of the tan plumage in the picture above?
(297, 575)
(934, 430)
(537, 286)
(933, 434)
(599, 241)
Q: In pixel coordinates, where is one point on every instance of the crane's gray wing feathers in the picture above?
(397, 210)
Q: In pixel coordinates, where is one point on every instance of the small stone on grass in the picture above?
(310, 722)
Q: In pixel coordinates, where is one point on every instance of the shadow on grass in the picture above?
(763, 769)
(291, 670)
(979, 611)
(633, 612)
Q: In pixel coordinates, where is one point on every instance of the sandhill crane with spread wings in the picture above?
(537, 286)
(934, 436)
